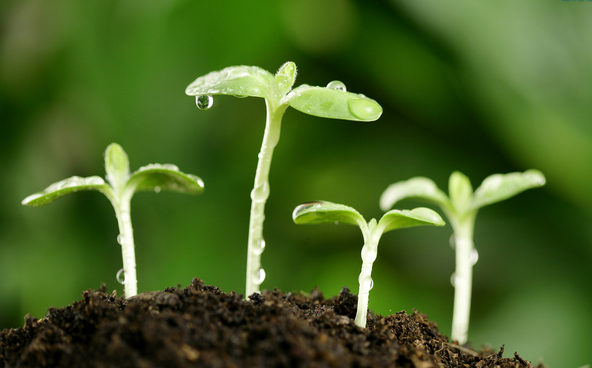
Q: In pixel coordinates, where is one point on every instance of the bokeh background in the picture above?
(476, 86)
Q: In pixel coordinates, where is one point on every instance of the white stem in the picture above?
(463, 280)
(259, 196)
(126, 239)
(369, 253)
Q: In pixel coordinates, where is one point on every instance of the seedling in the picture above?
(321, 212)
(332, 101)
(119, 189)
(461, 210)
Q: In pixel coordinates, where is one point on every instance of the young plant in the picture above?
(321, 212)
(332, 101)
(119, 189)
(461, 210)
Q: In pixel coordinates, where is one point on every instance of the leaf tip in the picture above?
(28, 201)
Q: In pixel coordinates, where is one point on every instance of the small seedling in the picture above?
(119, 190)
(322, 212)
(461, 210)
(332, 101)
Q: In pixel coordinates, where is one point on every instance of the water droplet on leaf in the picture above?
(453, 279)
(452, 241)
(120, 276)
(337, 85)
(204, 102)
(156, 189)
(364, 109)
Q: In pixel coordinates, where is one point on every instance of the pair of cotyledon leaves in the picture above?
(327, 102)
(324, 212)
(120, 183)
(462, 200)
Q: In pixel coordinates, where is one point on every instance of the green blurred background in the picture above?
(476, 86)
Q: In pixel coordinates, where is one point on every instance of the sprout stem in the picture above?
(259, 195)
(121, 204)
(369, 253)
(463, 276)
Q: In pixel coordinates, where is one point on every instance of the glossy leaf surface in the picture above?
(320, 212)
(417, 188)
(66, 186)
(498, 187)
(399, 219)
(333, 103)
(156, 177)
(460, 191)
(234, 80)
(116, 165)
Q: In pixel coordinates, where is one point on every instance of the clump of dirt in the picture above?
(200, 326)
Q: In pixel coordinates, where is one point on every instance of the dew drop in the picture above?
(260, 193)
(366, 282)
(261, 276)
(336, 222)
(156, 189)
(337, 85)
(204, 102)
(260, 247)
(453, 280)
(474, 256)
(120, 239)
(120, 276)
(369, 254)
(364, 109)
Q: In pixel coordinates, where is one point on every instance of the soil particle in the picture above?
(200, 326)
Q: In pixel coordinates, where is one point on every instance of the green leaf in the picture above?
(498, 187)
(333, 103)
(156, 177)
(284, 79)
(320, 212)
(460, 191)
(66, 186)
(399, 219)
(234, 80)
(116, 166)
(416, 188)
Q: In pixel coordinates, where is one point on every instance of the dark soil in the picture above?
(200, 326)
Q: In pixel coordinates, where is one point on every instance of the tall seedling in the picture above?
(461, 210)
(119, 189)
(332, 101)
(323, 212)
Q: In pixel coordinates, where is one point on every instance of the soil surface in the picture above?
(200, 326)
